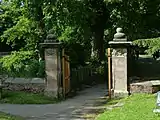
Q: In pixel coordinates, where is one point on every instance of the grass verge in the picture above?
(136, 107)
(15, 97)
(4, 116)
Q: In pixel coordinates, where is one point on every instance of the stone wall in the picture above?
(34, 85)
(152, 86)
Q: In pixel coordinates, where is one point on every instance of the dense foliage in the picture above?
(86, 26)
(22, 64)
(152, 45)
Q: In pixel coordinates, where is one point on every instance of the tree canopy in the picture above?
(25, 23)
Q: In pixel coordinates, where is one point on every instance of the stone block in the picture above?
(152, 86)
(23, 84)
(120, 94)
(51, 93)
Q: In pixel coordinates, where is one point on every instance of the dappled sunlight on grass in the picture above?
(136, 107)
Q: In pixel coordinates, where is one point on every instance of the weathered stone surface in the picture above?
(52, 64)
(119, 65)
(119, 52)
(145, 87)
(34, 85)
(25, 80)
(119, 73)
(119, 35)
(51, 67)
(51, 93)
(120, 93)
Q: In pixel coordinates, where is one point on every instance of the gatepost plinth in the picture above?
(51, 48)
(119, 65)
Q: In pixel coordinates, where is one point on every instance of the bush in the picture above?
(99, 66)
(22, 64)
(152, 45)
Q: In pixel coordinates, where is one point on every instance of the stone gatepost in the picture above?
(51, 48)
(120, 48)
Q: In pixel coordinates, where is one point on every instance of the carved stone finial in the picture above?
(119, 30)
(119, 34)
(51, 37)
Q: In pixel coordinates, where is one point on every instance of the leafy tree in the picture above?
(138, 17)
(152, 45)
(25, 23)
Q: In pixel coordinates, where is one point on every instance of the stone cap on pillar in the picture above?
(120, 39)
(51, 40)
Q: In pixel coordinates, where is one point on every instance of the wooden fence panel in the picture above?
(80, 77)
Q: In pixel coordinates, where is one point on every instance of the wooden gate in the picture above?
(66, 73)
(109, 72)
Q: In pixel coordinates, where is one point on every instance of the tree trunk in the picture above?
(99, 26)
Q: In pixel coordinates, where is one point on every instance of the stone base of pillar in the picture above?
(51, 93)
(120, 93)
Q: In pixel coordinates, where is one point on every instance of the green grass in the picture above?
(4, 116)
(136, 107)
(26, 98)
